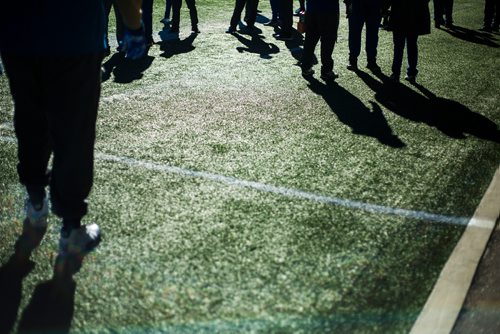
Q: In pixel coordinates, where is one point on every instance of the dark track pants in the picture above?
(251, 12)
(55, 109)
(286, 16)
(371, 17)
(176, 13)
(320, 26)
(492, 13)
(411, 42)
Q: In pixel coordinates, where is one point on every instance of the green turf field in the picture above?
(236, 196)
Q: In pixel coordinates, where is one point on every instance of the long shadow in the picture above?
(257, 45)
(352, 112)
(171, 48)
(473, 36)
(450, 117)
(125, 70)
(295, 46)
(12, 274)
(51, 307)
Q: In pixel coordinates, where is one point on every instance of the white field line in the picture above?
(294, 193)
(443, 306)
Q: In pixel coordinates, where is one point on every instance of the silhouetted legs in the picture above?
(412, 51)
(320, 26)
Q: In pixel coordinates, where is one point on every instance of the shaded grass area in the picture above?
(190, 255)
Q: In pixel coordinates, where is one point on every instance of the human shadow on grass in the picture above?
(256, 44)
(172, 47)
(355, 114)
(51, 307)
(13, 272)
(473, 36)
(125, 70)
(450, 117)
(295, 45)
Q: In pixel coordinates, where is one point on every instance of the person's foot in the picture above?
(272, 23)
(149, 41)
(195, 30)
(36, 215)
(329, 76)
(352, 65)
(283, 36)
(437, 24)
(411, 78)
(298, 11)
(79, 241)
(231, 30)
(394, 78)
(307, 71)
(165, 21)
(373, 66)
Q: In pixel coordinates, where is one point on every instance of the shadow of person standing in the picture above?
(450, 117)
(174, 47)
(473, 36)
(355, 114)
(13, 272)
(257, 45)
(125, 70)
(51, 307)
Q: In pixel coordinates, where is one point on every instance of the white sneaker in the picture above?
(80, 241)
(36, 218)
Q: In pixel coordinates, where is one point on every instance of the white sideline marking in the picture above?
(374, 208)
(288, 192)
(448, 295)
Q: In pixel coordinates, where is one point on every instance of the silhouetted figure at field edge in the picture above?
(450, 117)
(352, 112)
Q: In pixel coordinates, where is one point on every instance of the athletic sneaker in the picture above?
(37, 218)
(80, 241)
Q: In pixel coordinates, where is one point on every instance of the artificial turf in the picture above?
(188, 254)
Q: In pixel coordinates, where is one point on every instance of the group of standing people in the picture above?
(408, 20)
(171, 19)
(55, 80)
